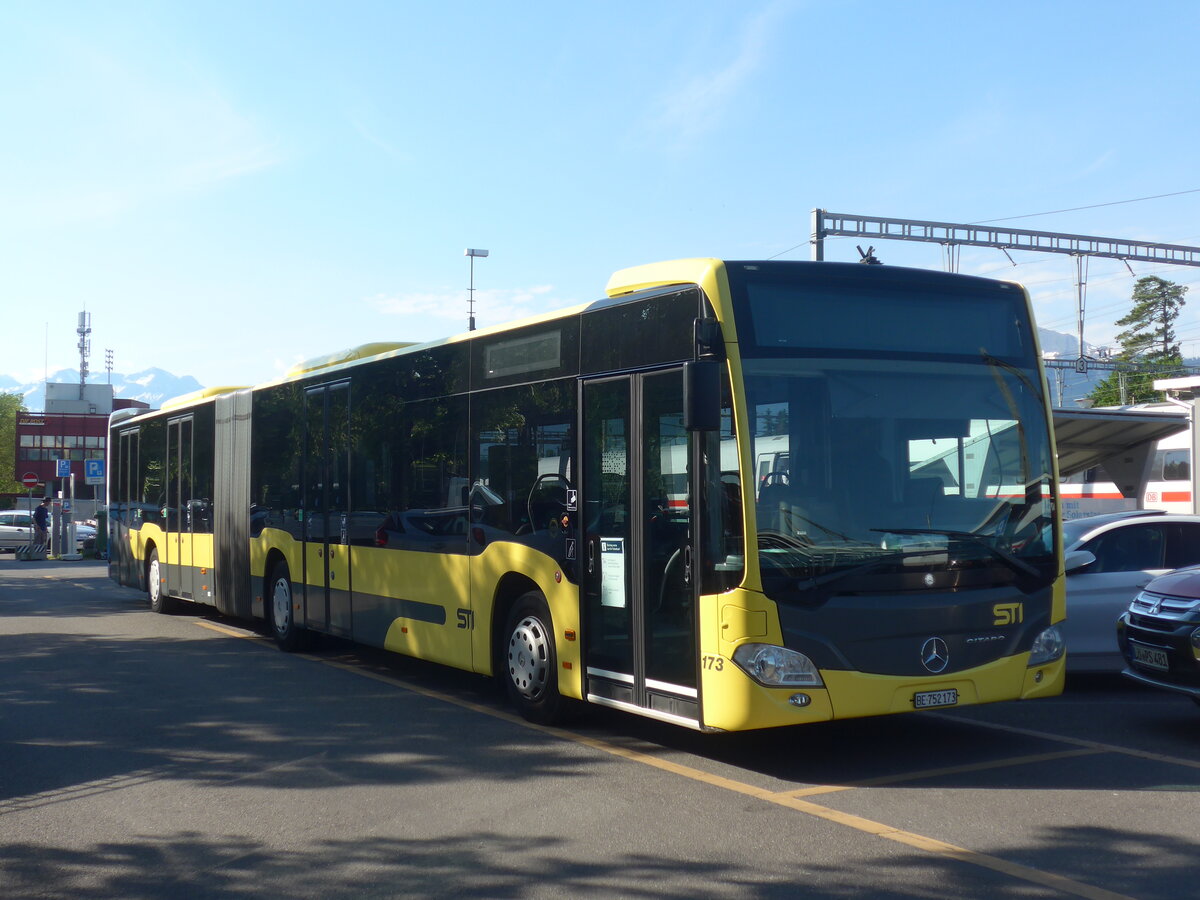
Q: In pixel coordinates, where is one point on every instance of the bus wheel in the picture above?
(530, 661)
(159, 602)
(289, 635)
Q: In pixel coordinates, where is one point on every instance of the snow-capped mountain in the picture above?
(151, 386)
(1064, 346)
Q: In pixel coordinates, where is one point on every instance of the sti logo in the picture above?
(1008, 614)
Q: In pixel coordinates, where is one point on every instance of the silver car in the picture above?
(1109, 559)
(16, 530)
(16, 527)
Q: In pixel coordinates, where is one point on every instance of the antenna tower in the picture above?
(85, 348)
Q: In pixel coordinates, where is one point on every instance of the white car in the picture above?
(16, 525)
(1109, 559)
(16, 530)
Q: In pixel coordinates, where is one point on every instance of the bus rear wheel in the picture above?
(530, 662)
(289, 634)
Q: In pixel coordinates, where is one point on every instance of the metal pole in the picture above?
(471, 299)
(818, 235)
(1195, 448)
(1081, 292)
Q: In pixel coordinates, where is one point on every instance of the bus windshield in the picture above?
(905, 442)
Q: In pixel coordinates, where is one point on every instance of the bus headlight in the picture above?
(1047, 647)
(776, 666)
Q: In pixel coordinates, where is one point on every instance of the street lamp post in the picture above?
(472, 253)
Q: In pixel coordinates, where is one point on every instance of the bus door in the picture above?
(327, 508)
(639, 587)
(179, 570)
(125, 512)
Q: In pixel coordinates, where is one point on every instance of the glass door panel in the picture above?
(638, 579)
(608, 535)
(669, 615)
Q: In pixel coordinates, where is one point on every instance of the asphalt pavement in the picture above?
(183, 755)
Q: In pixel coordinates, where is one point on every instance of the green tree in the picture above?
(1149, 335)
(1139, 381)
(1149, 349)
(10, 405)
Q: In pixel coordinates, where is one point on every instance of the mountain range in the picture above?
(151, 386)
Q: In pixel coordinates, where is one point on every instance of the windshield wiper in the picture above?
(970, 537)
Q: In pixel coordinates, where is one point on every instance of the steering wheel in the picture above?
(779, 476)
(549, 476)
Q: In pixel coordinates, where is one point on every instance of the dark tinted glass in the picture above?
(409, 470)
(152, 497)
(523, 467)
(536, 353)
(278, 428)
(418, 376)
(1129, 549)
(1183, 545)
(639, 333)
(824, 308)
(203, 432)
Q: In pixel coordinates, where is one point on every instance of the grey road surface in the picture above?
(182, 755)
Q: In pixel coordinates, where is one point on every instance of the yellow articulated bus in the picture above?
(731, 495)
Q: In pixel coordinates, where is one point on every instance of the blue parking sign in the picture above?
(63, 468)
(93, 468)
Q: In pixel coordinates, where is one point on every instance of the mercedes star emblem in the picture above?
(935, 655)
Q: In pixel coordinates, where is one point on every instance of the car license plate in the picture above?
(1151, 657)
(930, 699)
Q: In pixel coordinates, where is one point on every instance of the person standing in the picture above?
(41, 524)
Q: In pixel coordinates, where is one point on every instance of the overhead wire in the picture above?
(1051, 212)
(1054, 324)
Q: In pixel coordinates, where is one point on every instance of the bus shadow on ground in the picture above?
(79, 712)
(491, 863)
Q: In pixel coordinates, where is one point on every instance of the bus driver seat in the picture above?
(774, 504)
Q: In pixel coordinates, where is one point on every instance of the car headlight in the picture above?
(1047, 647)
(777, 666)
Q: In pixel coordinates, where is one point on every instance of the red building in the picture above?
(45, 437)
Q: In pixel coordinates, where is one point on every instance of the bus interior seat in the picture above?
(773, 500)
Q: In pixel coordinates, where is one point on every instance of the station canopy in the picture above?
(1091, 437)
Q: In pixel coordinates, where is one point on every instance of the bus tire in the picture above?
(529, 660)
(288, 633)
(159, 602)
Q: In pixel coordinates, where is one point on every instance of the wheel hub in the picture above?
(283, 604)
(528, 657)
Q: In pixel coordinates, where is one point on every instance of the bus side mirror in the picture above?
(702, 394)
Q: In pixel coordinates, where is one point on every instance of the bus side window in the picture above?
(522, 460)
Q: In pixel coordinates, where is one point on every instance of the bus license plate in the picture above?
(930, 699)
(1151, 657)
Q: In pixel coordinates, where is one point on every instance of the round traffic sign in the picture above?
(29, 479)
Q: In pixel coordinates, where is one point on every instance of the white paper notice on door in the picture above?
(612, 571)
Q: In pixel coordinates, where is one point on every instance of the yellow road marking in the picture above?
(789, 799)
(1098, 746)
(227, 631)
(937, 773)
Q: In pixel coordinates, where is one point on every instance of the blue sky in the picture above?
(231, 187)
